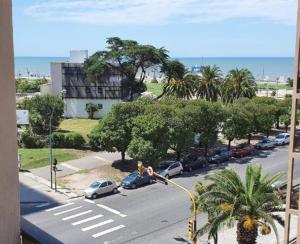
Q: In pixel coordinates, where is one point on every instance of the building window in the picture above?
(100, 106)
(88, 91)
(100, 91)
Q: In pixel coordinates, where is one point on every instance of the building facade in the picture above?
(69, 80)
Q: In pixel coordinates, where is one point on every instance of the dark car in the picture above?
(243, 150)
(220, 156)
(134, 180)
(192, 162)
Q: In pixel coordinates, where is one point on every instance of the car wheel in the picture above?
(151, 181)
(181, 172)
(115, 190)
(133, 186)
(94, 196)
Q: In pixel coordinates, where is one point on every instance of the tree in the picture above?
(149, 138)
(286, 120)
(181, 136)
(40, 110)
(238, 83)
(181, 88)
(114, 132)
(237, 124)
(290, 82)
(251, 203)
(208, 84)
(91, 109)
(127, 57)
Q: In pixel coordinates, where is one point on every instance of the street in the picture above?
(156, 213)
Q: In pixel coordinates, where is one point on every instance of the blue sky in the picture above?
(187, 28)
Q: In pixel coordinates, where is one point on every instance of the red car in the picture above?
(243, 150)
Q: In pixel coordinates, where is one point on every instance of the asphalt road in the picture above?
(154, 214)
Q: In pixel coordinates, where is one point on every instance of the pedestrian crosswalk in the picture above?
(86, 218)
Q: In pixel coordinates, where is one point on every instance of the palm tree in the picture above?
(238, 83)
(251, 204)
(181, 88)
(208, 85)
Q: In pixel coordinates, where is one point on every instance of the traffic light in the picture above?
(191, 230)
(140, 168)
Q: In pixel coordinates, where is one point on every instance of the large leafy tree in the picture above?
(114, 132)
(127, 57)
(237, 124)
(40, 110)
(238, 83)
(149, 138)
(208, 84)
(251, 203)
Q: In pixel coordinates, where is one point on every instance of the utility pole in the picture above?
(50, 147)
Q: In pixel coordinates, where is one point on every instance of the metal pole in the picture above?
(55, 179)
(50, 146)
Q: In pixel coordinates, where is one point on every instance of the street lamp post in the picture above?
(50, 146)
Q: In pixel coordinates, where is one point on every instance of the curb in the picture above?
(48, 183)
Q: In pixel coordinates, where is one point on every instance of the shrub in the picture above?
(58, 140)
(94, 138)
(74, 140)
(29, 140)
(91, 109)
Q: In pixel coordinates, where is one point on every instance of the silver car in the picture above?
(100, 187)
(170, 168)
(265, 144)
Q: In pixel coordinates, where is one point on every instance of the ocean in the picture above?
(270, 68)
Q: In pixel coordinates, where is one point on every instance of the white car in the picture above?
(170, 168)
(282, 138)
(100, 187)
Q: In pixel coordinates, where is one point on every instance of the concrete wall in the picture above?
(46, 89)
(75, 108)
(56, 78)
(9, 182)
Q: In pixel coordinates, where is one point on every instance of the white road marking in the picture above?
(88, 200)
(70, 166)
(111, 210)
(58, 207)
(77, 215)
(67, 211)
(87, 220)
(97, 225)
(42, 205)
(108, 231)
(103, 159)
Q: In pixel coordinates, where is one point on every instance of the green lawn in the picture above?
(155, 88)
(82, 126)
(35, 158)
(273, 86)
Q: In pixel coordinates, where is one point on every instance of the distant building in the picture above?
(68, 79)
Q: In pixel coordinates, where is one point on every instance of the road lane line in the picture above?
(88, 200)
(108, 231)
(111, 210)
(42, 205)
(77, 215)
(67, 211)
(103, 159)
(97, 225)
(87, 220)
(58, 207)
(70, 166)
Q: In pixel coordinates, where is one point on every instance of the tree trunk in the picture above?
(205, 150)
(229, 145)
(123, 156)
(249, 138)
(277, 123)
(178, 153)
(215, 237)
(268, 133)
(246, 236)
(286, 128)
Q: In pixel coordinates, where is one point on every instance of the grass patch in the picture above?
(35, 158)
(266, 86)
(155, 88)
(81, 126)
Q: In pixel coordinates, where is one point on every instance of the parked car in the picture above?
(170, 168)
(219, 156)
(100, 187)
(134, 180)
(265, 144)
(282, 138)
(192, 162)
(242, 150)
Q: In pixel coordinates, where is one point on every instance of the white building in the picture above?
(69, 80)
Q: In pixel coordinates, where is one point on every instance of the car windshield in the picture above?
(280, 136)
(164, 166)
(95, 185)
(132, 176)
